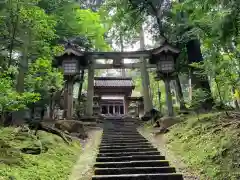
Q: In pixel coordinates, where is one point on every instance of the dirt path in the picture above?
(83, 169)
(159, 142)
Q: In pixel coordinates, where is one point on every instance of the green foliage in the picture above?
(30, 31)
(57, 156)
(153, 89)
(216, 23)
(123, 23)
(208, 145)
(74, 22)
(199, 96)
(42, 78)
(10, 100)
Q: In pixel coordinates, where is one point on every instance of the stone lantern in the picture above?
(165, 59)
(73, 63)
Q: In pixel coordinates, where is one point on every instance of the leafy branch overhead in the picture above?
(30, 32)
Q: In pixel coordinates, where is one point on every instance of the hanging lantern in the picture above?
(164, 58)
(70, 67)
(166, 64)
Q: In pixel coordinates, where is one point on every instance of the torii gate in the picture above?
(73, 57)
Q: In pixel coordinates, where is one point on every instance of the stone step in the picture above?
(122, 122)
(123, 148)
(167, 176)
(121, 135)
(124, 154)
(130, 158)
(124, 135)
(112, 125)
(126, 146)
(128, 154)
(127, 150)
(124, 127)
(129, 125)
(121, 138)
(121, 129)
(145, 163)
(134, 170)
(129, 120)
(125, 141)
(119, 124)
(122, 132)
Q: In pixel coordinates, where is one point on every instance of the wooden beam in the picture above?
(123, 66)
(116, 55)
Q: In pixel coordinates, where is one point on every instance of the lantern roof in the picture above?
(72, 49)
(165, 47)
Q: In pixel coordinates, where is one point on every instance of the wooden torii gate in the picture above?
(87, 60)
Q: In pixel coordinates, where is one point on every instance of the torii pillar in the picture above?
(90, 90)
(145, 78)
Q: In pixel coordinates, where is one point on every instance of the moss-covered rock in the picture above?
(55, 163)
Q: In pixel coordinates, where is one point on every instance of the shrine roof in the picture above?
(113, 82)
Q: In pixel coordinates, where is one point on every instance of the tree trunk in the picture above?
(23, 66)
(2, 118)
(201, 82)
(199, 79)
(12, 30)
(180, 94)
(51, 108)
(8, 119)
(219, 92)
(159, 97)
(236, 100)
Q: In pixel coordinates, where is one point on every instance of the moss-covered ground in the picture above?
(54, 163)
(210, 144)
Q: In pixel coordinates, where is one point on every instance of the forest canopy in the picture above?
(32, 33)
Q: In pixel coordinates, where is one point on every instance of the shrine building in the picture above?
(113, 94)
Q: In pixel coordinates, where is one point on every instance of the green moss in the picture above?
(54, 163)
(210, 145)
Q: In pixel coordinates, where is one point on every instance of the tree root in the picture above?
(54, 131)
(42, 127)
(33, 151)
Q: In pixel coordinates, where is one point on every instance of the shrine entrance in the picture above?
(112, 107)
(113, 93)
(74, 62)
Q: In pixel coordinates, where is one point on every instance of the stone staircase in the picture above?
(126, 155)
